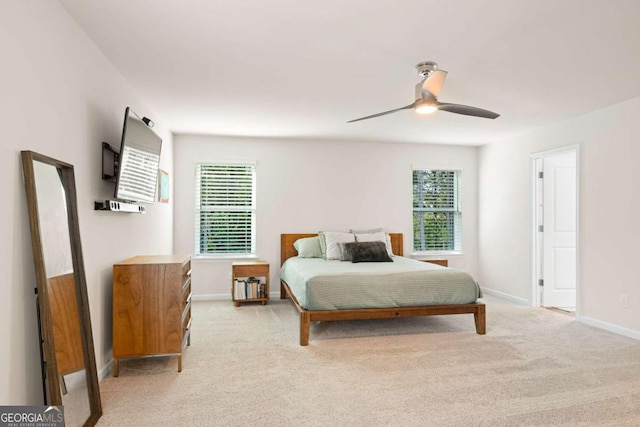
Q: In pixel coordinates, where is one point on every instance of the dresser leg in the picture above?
(116, 367)
(180, 363)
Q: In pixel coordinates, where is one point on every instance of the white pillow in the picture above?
(369, 231)
(371, 237)
(389, 246)
(376, 237)
(332, 238)
(323, 244)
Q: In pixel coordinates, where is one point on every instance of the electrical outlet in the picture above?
(624, 301)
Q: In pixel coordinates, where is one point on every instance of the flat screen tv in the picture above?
(138, 162)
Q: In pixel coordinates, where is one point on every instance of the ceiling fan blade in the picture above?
(467, 110)
(434, 81)
(384, 113)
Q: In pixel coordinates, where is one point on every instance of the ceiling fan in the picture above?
(427, 96)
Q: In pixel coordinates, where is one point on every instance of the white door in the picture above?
(559, 232)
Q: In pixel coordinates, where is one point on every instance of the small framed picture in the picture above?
(163, 194)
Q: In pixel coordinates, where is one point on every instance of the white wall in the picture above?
(59, 96)
(306, 186)
(609, 202)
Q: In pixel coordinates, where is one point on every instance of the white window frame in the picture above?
(249, 206)
(452, 212)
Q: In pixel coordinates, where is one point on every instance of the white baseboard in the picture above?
(505, 296)
(630, 333)
(226, 297)
(106, 370)
(211, 297)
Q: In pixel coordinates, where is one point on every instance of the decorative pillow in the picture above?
(308, 247)
(323, 244)
(371, 237)
(379, 236)
(389, 246)
(369, 252)
(370, 231)
(332, 238)
(345, 252)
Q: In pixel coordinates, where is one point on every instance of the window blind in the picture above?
(436, 211)
(225, 209)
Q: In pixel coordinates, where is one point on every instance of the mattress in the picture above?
(320, 284)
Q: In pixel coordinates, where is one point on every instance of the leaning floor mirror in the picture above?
(68, 360)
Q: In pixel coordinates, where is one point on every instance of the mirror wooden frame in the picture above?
(53, 395)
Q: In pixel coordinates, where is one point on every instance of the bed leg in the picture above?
(305, 325)
(283, 293)
(480, 317)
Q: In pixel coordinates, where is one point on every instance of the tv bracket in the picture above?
(110, 164)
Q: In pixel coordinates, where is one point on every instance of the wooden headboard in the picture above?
(287, 240)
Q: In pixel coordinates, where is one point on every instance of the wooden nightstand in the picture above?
(442, 262)
(246, 285)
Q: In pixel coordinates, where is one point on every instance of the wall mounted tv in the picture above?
(138, 162)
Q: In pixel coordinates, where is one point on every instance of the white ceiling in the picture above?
(300, 68)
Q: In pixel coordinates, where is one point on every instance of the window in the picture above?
(436, 210)
(225, 209)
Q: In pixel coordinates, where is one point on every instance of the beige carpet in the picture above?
(245, 367)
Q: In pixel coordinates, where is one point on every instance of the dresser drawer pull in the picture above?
(186, 284)
(186, 311)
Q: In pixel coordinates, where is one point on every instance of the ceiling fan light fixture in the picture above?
(425, 108)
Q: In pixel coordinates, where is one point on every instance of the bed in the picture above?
(323, 309)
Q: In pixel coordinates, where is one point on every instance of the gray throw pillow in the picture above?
(345, 252)
(368, 252)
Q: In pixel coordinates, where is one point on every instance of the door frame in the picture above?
(533, 226)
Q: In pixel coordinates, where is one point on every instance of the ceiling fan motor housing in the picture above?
(426, 68)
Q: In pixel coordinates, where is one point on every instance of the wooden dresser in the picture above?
(65, 321)
(151, 307)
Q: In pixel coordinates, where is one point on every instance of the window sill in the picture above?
(436, 254)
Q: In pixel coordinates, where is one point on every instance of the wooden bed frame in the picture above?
(307, 316)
